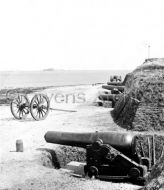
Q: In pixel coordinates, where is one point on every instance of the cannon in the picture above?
(118, 82)
(115, 83)
(112, 87)
(115, 78)
(110, 97)
(39, 106)
(109, 155)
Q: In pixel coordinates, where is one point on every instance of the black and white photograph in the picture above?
(81, 95)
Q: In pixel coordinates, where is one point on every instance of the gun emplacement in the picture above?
(109, 155)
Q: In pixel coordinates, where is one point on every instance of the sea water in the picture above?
(13, 79)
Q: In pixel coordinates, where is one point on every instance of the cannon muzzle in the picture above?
(123, 142)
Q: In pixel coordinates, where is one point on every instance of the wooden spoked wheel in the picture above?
(20, 107)
(93, 171)
(39, 107)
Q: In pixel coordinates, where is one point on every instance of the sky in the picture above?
(79, 34)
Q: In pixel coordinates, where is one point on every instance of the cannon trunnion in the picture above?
(109, 155)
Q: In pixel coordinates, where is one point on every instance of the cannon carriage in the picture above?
(39, 106)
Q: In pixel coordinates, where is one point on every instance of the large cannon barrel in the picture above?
(107, 97)
(124, 142)
(111, 87)
(115, 83)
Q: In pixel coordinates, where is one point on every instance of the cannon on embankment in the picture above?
(109, 155)
(118, 82)
(109, 97)
(112, 87)
(115, 78)
(116, 85)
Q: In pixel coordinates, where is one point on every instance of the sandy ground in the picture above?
(25, 170)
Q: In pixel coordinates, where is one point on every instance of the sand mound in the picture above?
(141, 107)
(61, 156)
(66, 154)
(156, 177)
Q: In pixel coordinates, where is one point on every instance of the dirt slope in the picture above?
(141, 108)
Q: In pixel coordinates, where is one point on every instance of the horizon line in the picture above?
(51, 70)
